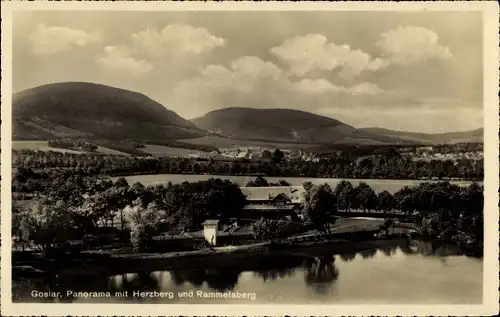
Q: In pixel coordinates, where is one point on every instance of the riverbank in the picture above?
(250, 257)
(107, 263)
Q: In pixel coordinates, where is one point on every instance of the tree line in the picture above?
(73, 206)
(131, 147)
(443, 210)
(73, 145)
(70, 206)
(345, 165)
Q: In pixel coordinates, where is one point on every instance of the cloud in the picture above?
(119, 59)
(172, 49)
(54, 39)
(252, 82)
(175, 40)
(323, 86)
(411, 44)
(310, 52)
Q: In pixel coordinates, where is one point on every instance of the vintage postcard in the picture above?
(220, 158)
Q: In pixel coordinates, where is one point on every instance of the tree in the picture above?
(406, 199)
(263, 228)
(267, 154)
(386, 201)
(269, 228)
(319, 206)
(343, 194)
(94, 209)
(47, 223)
(475, 199)
(121, 182)
(365, 196)
(258, 182)
(142, 222)
(278, 156)
(18, 213)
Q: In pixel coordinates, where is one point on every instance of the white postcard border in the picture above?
(491, 181)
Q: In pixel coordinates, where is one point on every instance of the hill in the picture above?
(441, 138)
(284, 125)
(93, 111)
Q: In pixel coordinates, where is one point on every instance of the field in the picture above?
(378, 185)
(40, 146)
(160, 150)
(107, 151)
(44, 146)
(221, 142)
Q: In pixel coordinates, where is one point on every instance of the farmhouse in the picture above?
(277, 202)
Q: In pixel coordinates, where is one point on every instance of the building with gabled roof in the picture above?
(274, 202)
(261, 195)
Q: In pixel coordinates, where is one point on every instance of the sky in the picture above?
(407, 71)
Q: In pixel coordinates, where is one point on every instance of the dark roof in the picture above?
(281, 195)
(268, 207)
(294, 193)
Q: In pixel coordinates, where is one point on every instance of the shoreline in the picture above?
(251, 256)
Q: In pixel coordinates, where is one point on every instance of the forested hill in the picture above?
(285, 125)
(87, 110)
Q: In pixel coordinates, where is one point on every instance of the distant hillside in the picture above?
(284, 125)
(85, 110)
(442, 138)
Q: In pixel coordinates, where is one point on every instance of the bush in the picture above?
(269, 229)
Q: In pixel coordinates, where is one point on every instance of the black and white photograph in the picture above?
(261, 158)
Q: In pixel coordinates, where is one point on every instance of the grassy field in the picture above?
(44, 146)
(107, 151)
(40, 146)
(160, 150)
(221, 142)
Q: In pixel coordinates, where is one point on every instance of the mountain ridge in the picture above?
(283, 125)
(475, 135)
(96, 111)
(80, 109)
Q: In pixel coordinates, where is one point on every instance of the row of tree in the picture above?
(126, 146)
(343, 166)
(73, 206)
(70, 205)
(443, 209)
(73, 145)
(262, 182)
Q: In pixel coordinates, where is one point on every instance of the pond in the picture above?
(404, 272)
(391, 185)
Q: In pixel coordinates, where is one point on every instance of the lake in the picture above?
(378, 185)
(403, 272)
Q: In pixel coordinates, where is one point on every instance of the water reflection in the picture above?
(321, 273)
(346, 257)
(279, 267)
(275, 274)
(219, 280)
(316, 270)
(368, 253)
(137, 282)
(388, 250)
